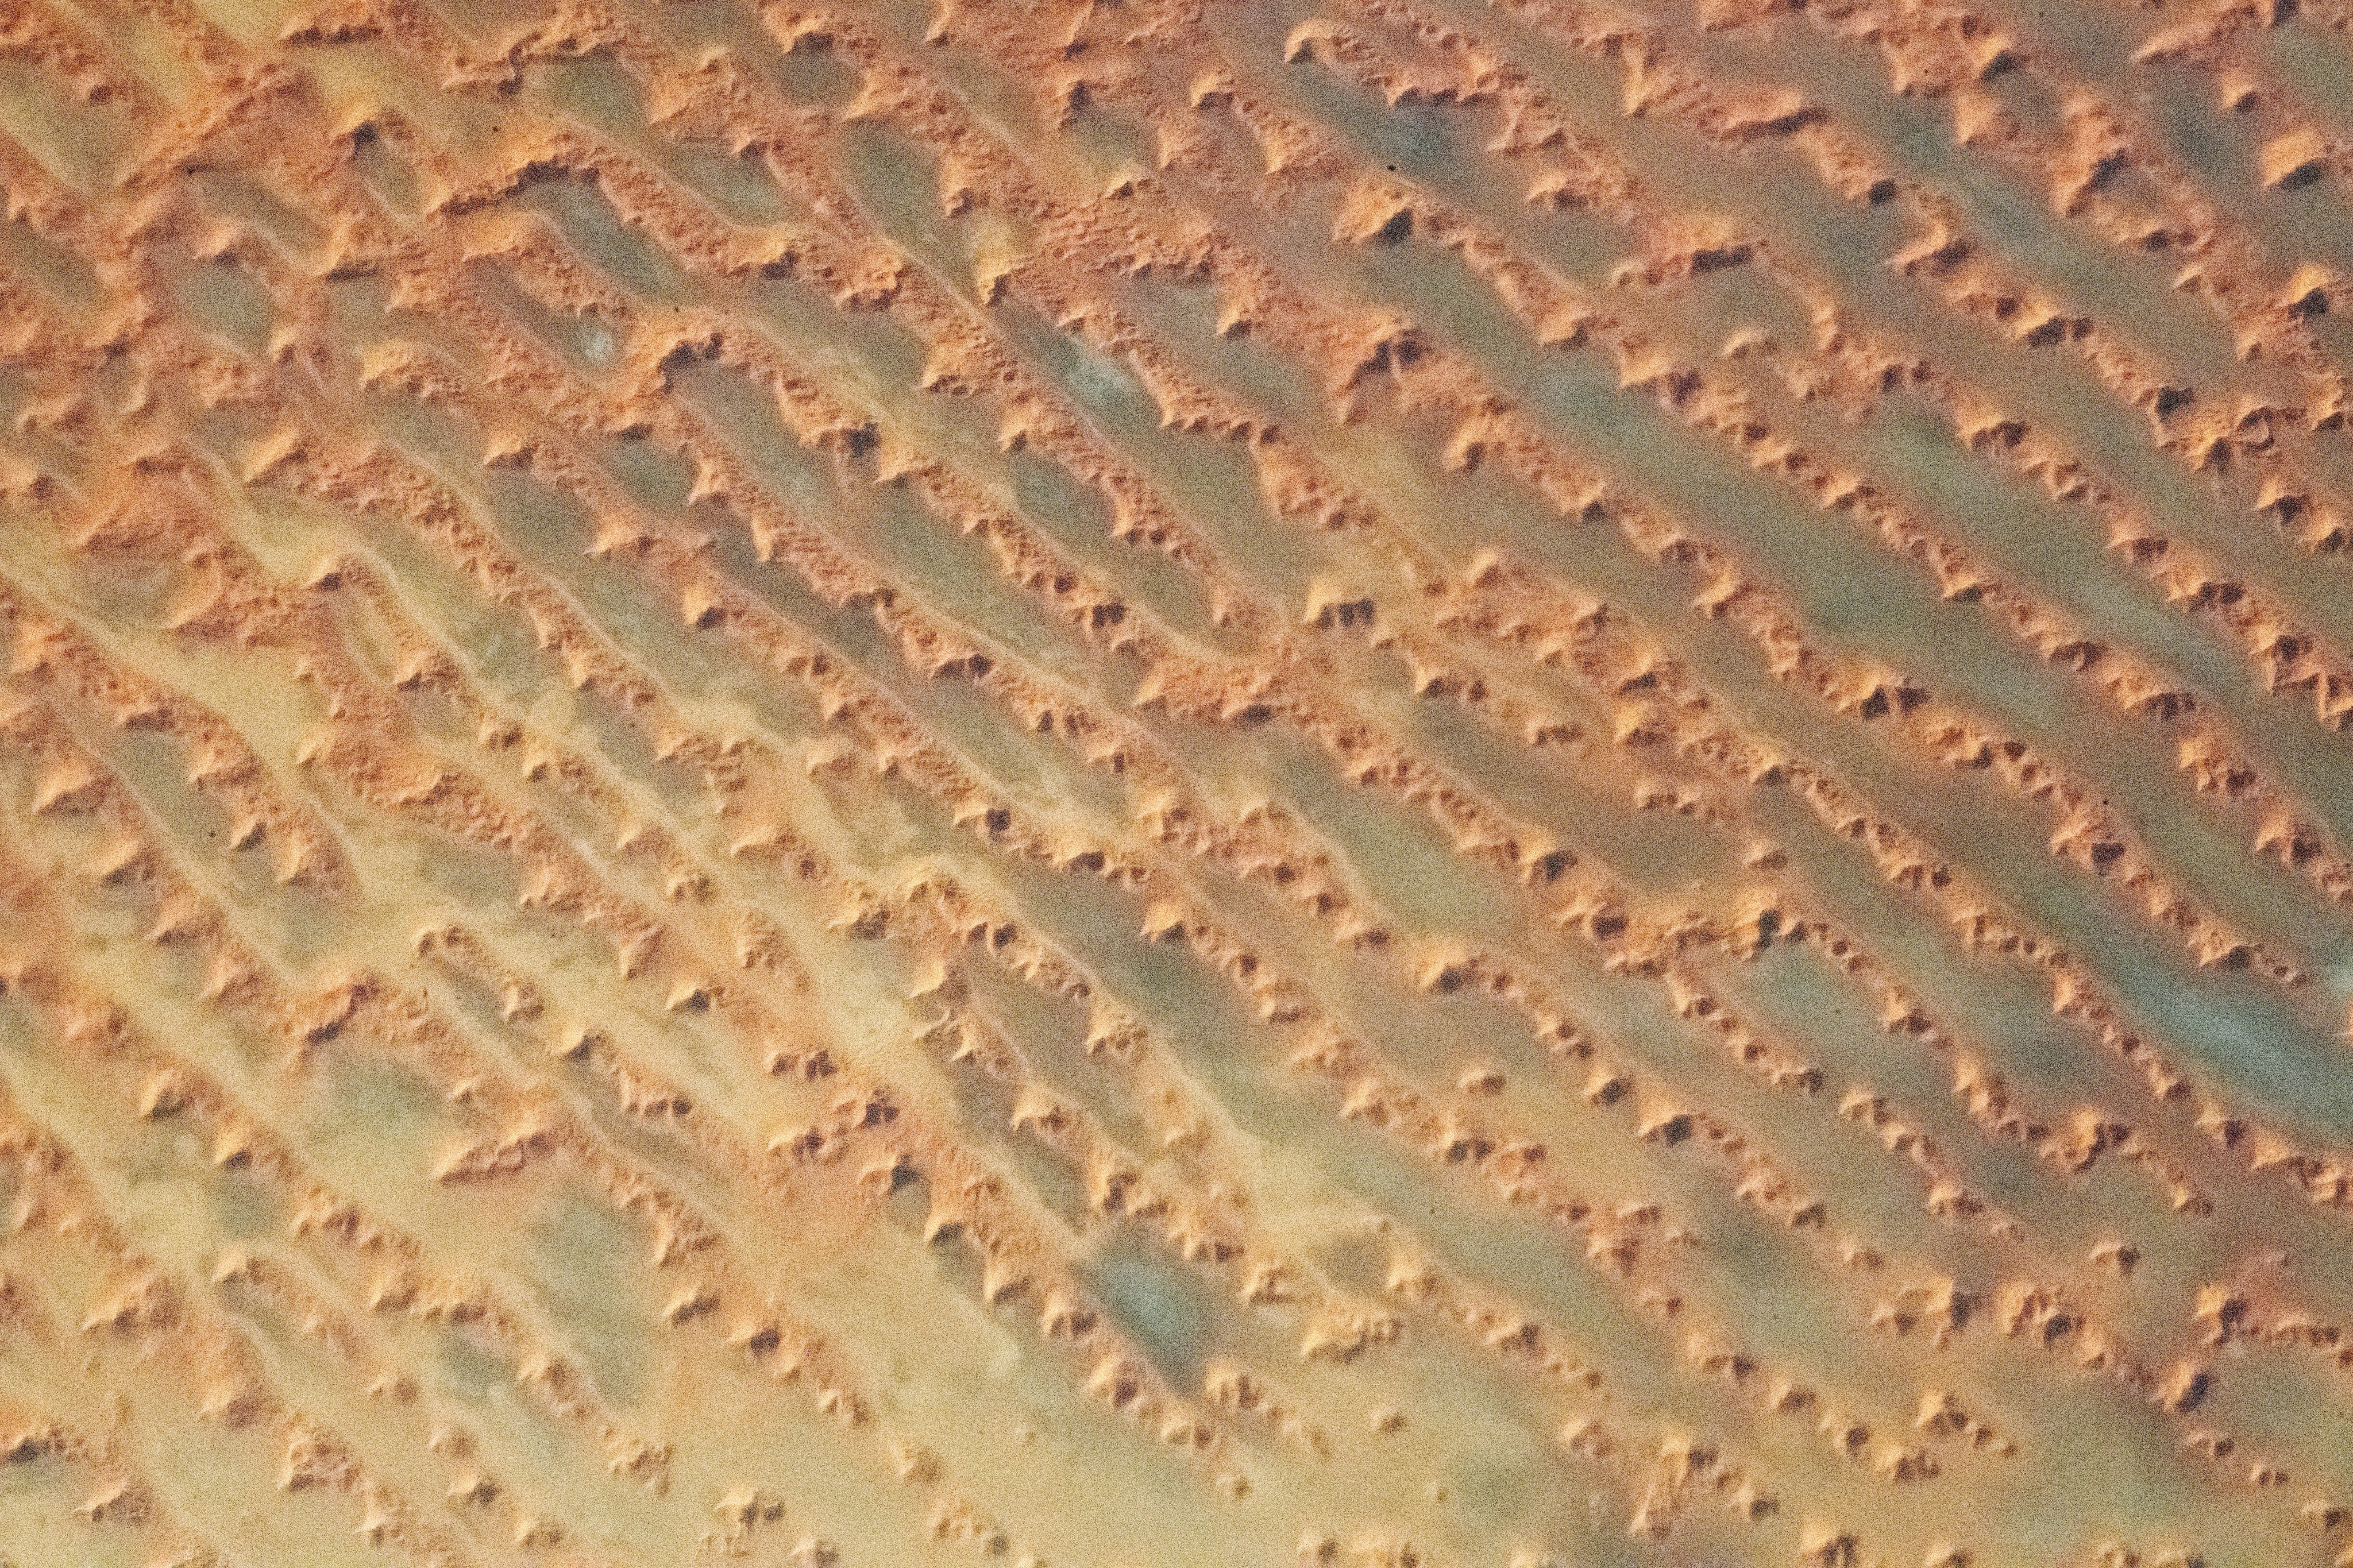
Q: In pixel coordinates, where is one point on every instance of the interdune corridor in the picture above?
(1134, 784)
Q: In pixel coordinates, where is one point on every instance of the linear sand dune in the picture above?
(1409, 783)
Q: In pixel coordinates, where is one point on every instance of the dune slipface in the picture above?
(1462, 782)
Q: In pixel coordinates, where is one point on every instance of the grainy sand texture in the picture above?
(1135, 784)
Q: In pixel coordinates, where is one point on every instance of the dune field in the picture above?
(1401, 784)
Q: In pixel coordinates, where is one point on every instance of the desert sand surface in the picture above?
(1399, 783)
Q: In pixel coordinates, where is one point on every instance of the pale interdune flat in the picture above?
(1125, 784)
